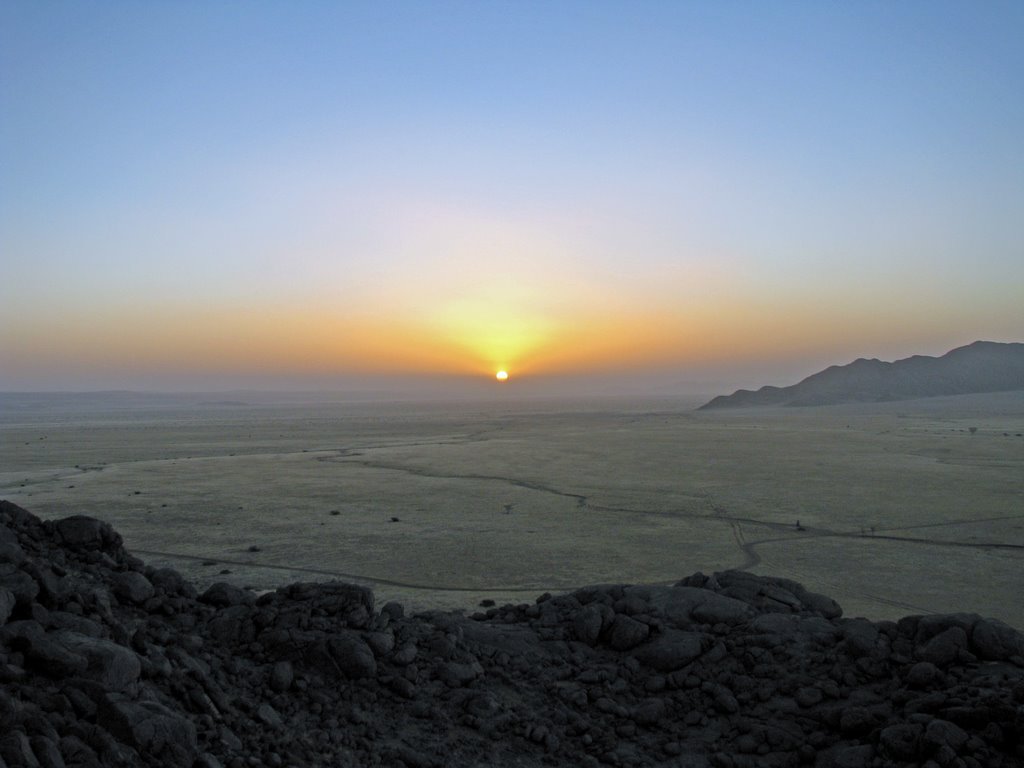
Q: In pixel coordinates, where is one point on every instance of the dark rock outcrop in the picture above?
(106, 662)
(984, 366)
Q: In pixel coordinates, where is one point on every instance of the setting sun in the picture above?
(501, 375)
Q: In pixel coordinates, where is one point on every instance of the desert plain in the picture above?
(890, 508)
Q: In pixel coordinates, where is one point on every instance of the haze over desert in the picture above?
(900, 506)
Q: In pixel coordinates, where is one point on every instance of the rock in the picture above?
(861, 637)
(7, 601)
(855, 756)
(777, 598)
(587, 624)
(821, 604)
(626, 633)
(352, 655)
(939, 733)
(856, 721)
(809, 696)
(83, 703)
(224, 595)
(228, 738)
(484, 705)
(10, 550)
(457, 674)
(16, 750)
(413, 758)
(683, 605)
(405, 655)
(991, 640)
(718, 609)
(671, 651)
(47, 752)
(10, 673)
(281, 676)
(381, 643)
(77, 753)
(922, 674)
(111, 665)
(22, 586)
(788, 627)
(442, 646)
(42, 651)
(153, 729)
(901, 741)
(724, 700)
(76, 623)
(229, 626)
(649, 712)
(133, 587)
(269, 716)
(403, 687)
(87, 533)
(943, 649)
(333, 597)
(168, 581)
(206, 760)
(927, 627)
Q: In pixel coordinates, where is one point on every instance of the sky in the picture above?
(311, 194)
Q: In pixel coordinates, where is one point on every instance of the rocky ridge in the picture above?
(984, 366)
(105, 661)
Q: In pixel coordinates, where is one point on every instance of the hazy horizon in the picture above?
(664, 383)
(592, 196)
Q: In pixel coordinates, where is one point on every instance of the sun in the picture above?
(501, 375)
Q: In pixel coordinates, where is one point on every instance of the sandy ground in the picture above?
(901, 507)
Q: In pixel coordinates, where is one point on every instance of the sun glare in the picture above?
(501, 375)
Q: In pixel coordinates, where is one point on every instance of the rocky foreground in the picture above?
(107, 662)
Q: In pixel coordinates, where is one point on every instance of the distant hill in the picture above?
(984, 366)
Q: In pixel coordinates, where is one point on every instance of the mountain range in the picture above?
(984, 366)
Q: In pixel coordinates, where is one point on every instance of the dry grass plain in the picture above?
(901, 507)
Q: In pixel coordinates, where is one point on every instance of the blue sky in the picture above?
(712, 188)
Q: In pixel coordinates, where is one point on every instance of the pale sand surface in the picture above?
(903, 510)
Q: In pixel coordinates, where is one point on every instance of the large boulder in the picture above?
(860, 636)
(7, 602)
(331, 597)
(684, 605)
(171, 582)
(160, 735)
(626, 633)
(344, 653)
(943, 649)
(901, 741)
(10, 548)
(82, 532)
(670, 651)
(589, 621)
(43, 652)
(132, 587)
(224, 595)
(993, 640)
(19, 583)
(766, 593)
(15, 749)
(111, 665)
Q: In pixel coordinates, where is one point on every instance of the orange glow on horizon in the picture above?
(469, 338)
